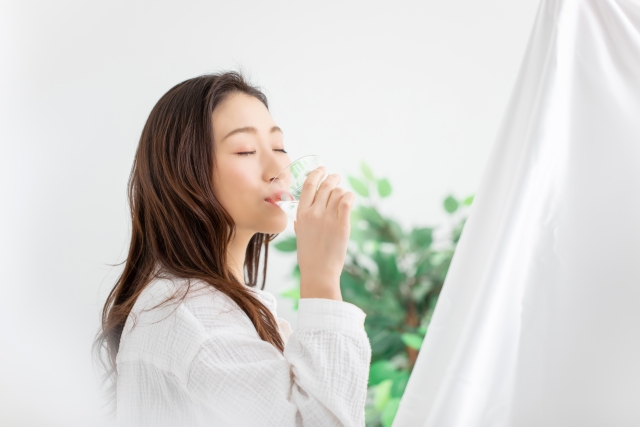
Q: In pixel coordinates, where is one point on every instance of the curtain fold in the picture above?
(538, 323)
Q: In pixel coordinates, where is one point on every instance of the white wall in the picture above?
(417, 89)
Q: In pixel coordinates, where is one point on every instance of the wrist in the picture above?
(313, 290)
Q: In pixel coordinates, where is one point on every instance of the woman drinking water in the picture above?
(188, 336)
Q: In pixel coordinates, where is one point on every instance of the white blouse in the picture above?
(200, 362)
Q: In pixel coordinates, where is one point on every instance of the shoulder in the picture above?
(158, 330)
(173, 317)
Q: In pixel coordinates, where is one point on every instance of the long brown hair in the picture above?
(178, 223)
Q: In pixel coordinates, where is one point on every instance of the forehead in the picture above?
(239, 110)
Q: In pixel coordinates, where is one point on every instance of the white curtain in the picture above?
(538, 323)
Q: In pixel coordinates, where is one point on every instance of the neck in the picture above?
(236, 253)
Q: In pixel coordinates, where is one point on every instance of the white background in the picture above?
(416, 89)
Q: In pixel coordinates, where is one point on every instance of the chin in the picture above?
(276, 225)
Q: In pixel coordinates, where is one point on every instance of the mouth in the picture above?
(270, 201)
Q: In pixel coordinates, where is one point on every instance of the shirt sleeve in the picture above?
(320, 380)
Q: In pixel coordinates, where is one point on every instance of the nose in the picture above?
(275, 163)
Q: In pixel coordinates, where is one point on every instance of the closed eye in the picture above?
(246, 153)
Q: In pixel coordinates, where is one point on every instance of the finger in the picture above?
(309, 187)
(344, 206)
(334, 200)
(322, 196)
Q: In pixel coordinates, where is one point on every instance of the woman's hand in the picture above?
(322, 232)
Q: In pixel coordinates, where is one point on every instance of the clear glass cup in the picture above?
(286, 187)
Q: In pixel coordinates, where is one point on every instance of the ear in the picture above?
(294, 227)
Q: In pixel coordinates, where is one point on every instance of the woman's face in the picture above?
(242, 124)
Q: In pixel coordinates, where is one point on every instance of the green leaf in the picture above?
(358, 186)
(353, 290)
(400, 383)
(468, 200)
(390, 275)
(422, 331)
(351, 281)
(366, 171)
(385, 344)
(425, 266)
(396, 230)
(412, 340)
(439, 258)
(384, 187)
(391, 305)
(372, 216)
(380, 321)
(421, 237)
(389, 412)
(381, 229)
(293, 294)
(450, 204)
(361, 235)
(286, 245)
(371, 414)
(432, 303)
(380, 371)
(383, 394)
(421, 289)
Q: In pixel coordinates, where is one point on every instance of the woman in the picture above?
(189, 340)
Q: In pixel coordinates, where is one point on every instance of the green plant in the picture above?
(395, 276)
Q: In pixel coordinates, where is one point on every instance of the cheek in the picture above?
(233, 187)
(239, 192)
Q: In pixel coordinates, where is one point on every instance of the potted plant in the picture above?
(395, 276)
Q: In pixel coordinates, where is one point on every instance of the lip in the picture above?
(274, 196)
(270, 201)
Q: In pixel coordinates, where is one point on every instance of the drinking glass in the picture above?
(286, 187)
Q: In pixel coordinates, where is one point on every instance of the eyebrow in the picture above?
(250, 129)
